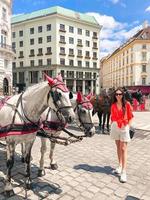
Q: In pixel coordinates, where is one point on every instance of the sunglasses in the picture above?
(118, 94)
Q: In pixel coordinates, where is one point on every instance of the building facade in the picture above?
(56, 40)
(129, 65)
(6, 53)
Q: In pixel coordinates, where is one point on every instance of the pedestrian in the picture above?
(121, 118)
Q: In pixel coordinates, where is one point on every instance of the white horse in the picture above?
(53, 125)
(20, 119)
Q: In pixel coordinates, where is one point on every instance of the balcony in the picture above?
(79, 56)
(71, 55)
(48, 53)
(62, 42)
(40, 54)
(21, 56)
(79, 45)
(31, 55)
(62, 30)
(7, 48)
(87, 57)
(95, 58)
(62, 54)
(95, 48)
(95, 37)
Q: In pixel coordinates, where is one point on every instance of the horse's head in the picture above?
(60, 100)
(84, 112)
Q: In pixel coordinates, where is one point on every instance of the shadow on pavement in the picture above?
(106, 169)
(40, 188)
(131, 198)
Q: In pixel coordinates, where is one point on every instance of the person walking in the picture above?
(121, 118)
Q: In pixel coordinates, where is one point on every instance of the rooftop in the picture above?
(54, 10)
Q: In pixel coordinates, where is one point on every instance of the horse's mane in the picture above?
(35, 86)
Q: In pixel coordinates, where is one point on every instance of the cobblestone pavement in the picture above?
(85, 171)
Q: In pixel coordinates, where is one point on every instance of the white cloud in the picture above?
(113, 33)
(147, 9)
(114, 1)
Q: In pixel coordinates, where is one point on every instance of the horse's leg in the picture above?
(104, 120)
(53, 163)
(10, 162)
(41, 171)
(23, 152)
(28, 147)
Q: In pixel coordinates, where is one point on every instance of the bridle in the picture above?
(83, 124)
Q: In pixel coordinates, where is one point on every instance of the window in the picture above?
(20, 33)
(79, 63)
(143, 68)
(49, 50)
(21, 64)
(21, 43)
(95, 35)
(87, 43)
(79, 52)
(62, 50)
(79, 42)
(70, 74)
(144, 81)
(62, 27)
(31, 31)
(48, 27)
(79, 31)
(95, 44)
(87, 64)
(94, 65)
(144, 46)
(20, 54)
(62, 39)
(40, 51)
(40, 40)
(32, 63)
(13, 34)
(21, 77)
(62, 61)
(71, 62)
(32, 52)
(49, 62)
(71, 29)
(71, 40)
(144, 56)
(94, 55)
(33, 77)
(39, 29)
(87, 33)
(13, 45)
(87, 54)
(31, 41)
(14, 64)
(49, 38)
(40, 62)
(4, 13)
(71, 51)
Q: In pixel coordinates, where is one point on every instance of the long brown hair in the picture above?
(123, 101)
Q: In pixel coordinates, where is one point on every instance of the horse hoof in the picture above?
(41, 173)
(54, 166)
(9, 193)
(28, 184)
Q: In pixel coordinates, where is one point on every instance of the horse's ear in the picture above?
(59, 77)
(79, 97)
(70, 95)
(49, 79)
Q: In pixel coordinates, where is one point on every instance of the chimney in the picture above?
(145, 24)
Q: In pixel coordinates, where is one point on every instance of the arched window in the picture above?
(5, 87)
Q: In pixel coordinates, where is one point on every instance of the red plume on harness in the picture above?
(79, 97)
(89, 95)
(49, 79)
(59, 77)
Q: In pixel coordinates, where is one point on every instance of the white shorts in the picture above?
(121, 134)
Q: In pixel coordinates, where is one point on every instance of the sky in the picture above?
(120, 19)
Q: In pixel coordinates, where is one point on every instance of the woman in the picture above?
(121, 117)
